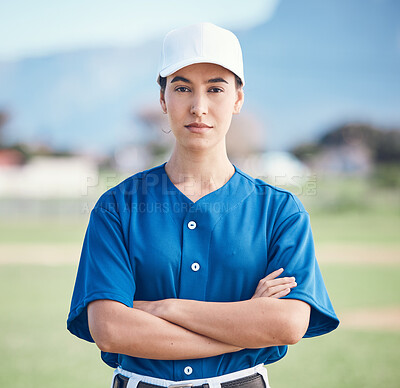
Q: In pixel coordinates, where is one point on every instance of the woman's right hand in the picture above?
(274, 288)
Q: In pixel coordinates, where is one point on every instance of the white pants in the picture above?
(213, 382)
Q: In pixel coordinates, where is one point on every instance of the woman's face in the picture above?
(200, 100)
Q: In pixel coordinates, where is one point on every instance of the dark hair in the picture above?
(162, 81)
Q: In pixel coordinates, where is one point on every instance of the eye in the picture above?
(216, 90)
(182, 89)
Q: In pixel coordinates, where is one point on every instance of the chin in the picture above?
(199, 144)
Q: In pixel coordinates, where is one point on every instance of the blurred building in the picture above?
(278, 168)
(49, 177)
(11, 157)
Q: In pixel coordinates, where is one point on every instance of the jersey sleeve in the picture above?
(104, 271)
(292, 248)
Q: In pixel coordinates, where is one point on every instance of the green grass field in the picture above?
(33, 230)
(35, 348)
(37, 351)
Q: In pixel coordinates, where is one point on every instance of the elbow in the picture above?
(295, 327)
(106, 346)
(286, 333)
(102, 328)
(287, 324)
(103, 340)
(293, 334)
(102, 336)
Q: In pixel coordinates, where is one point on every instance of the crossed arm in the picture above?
(174, 329)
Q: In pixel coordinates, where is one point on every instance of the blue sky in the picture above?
(40, 27)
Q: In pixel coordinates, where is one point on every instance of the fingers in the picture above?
(271, 286)
(272, 291)
(276, 282)
(274, 274)
(279, 291)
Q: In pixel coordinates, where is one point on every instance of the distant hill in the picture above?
(313, 64)
(82, 99)
(316, 63)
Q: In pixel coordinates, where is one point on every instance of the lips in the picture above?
(198, 127)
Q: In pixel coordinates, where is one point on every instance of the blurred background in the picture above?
(79, 112)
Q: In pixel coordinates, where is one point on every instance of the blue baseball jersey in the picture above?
(147, 241)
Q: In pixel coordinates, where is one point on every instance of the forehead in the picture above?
(204, 72)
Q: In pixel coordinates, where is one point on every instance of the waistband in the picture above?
(213, 382)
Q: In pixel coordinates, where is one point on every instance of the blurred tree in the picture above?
(384, 145)
(306, 151)
(3, 119)
(387, 175)
(388, 147)
(22, 152)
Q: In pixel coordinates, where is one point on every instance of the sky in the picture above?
(41, 27)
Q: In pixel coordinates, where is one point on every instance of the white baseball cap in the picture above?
(201, 43)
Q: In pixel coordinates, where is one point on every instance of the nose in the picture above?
(199, 105)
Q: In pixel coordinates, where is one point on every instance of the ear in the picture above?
(239, 101)
(162, 102)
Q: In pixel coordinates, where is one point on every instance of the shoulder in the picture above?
(275, 200)
(120, 197)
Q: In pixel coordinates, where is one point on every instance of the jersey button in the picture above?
(188, 370)
(191, 224)
(195, 267)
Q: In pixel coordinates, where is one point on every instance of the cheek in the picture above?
(174, 113)
(225, 111)
(174, 107)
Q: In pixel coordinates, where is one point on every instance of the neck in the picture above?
(205, 171)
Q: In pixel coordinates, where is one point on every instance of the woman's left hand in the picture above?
(273, 287)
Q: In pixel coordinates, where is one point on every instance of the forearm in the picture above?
(120, 329)
(254, 323)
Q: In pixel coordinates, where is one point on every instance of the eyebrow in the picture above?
(210, 81)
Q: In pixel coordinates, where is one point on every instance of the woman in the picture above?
(180, 281)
